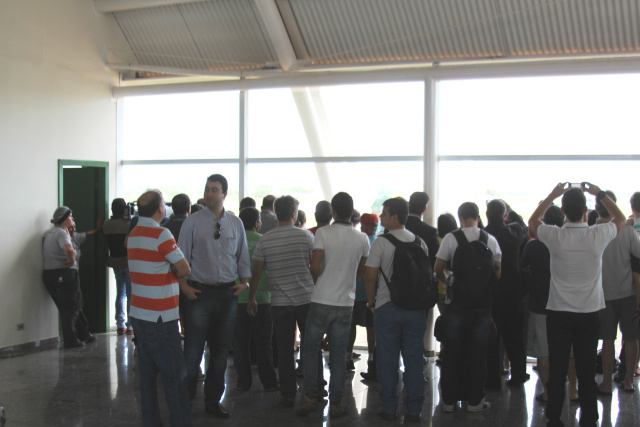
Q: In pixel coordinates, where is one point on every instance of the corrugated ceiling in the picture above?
(233, 36)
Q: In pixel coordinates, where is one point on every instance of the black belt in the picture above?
(201, 286)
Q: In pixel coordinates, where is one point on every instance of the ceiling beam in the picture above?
(268, 12)
(110, 6)
(297, 79)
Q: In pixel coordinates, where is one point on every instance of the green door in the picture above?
(84, 189)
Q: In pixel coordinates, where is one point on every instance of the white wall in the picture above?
(54, 104)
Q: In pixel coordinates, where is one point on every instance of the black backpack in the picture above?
(474, 273)
(413, 285)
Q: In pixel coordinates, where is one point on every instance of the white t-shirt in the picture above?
(381, 256)
(343, 248)
(576, 265)
(450, 244)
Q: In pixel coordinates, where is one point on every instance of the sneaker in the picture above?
(482, 406)
(129, 331)
(448, 408)
(386, 415)
(336, 411)
(308, 404)
(122, 331)
(350, 366)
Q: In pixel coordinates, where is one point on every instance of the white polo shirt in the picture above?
(576, 265)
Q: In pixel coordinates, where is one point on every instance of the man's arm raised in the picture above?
(617, 217)
(536, 217)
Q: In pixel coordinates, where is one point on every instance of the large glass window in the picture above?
(175, 179)
(523, 117)
(369, 183)
(275, 129)
(349, 120)
(184, 126)
(540, 115)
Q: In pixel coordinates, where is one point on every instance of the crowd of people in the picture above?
(549, 289)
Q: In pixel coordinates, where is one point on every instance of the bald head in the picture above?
(267, 202)
(149, 204)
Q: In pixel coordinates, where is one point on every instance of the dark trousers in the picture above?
(464, 368)
(285, 319)
(508, 315)
(63, 284)
(582, 331)
(260, 329)
(160, 352)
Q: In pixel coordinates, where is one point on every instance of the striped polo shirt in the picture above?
(154, 288)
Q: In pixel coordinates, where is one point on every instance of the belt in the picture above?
(201, 286)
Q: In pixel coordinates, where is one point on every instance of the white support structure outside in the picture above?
(243, 143)
(430, 148)
(315, 133)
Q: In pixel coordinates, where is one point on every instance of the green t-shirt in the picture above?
(264, 293)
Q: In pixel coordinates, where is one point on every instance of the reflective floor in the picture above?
(97, 386)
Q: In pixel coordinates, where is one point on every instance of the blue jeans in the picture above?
(336, 322)
(581, 330)
(211, 317)
(123, 290)
(261, 328)
(400, 331)
(160, 351)
(464, 366)
(285, 319)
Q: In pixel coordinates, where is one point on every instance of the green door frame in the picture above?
(89, 163)
(104, 166)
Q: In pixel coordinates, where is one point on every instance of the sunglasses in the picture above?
(218, 232)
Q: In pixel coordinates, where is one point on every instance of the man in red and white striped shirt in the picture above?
(155, 264)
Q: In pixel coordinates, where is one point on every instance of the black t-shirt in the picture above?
(427, 233)
(510, 238)
(536, 268)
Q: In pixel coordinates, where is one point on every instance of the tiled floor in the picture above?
(97, 386)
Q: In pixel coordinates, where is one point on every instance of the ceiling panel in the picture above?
(538, 27)
(215, 35)
(234, 35)
(366, 31)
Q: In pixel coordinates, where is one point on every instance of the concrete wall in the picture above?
(54, 104)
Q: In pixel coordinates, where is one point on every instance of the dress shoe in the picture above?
(216, 409)
(386, 415)
(515, 382)
(412, 418)
(90, 339)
